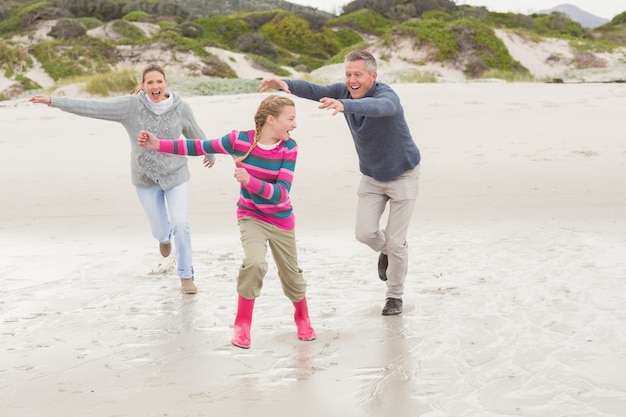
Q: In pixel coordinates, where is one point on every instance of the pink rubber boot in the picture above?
(243, 320)
(301, 317)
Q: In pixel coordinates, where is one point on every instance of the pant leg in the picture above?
(178, 203)
(371, 202)
(283, 245)
(254, 266)
(403, 194)
(153, 202)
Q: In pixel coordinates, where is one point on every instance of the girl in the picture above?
(265, 160)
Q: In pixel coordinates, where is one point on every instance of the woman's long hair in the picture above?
(271, 106)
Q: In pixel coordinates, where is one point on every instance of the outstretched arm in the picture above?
(147, 140)
(40, 99)
(331, 104)
(274, 83)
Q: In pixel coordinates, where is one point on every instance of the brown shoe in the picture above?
(392, 307)
(188, 286)
(165, 249)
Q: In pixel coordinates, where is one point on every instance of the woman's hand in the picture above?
(40, 99)
(207, 163)
(147, 140)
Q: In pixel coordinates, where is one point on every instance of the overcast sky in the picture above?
(602, 8)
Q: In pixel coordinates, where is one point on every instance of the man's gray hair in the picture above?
(360, 54)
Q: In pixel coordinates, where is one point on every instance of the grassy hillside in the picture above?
(63, 36)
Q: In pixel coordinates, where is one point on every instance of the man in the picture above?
(388, 159)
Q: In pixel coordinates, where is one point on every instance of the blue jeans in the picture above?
(153, 202)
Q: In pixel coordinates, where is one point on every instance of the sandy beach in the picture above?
(515, 303)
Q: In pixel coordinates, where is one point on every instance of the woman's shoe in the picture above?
(188, 286)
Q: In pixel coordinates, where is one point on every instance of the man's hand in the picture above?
(274, 83)
(331, 104)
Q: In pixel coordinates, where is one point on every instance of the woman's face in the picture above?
(154, 84)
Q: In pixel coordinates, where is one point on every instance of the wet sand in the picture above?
(515, 303)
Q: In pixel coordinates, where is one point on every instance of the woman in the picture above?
(158, 178)
(265, 160)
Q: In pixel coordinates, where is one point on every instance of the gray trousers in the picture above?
(255, 236)
(401, 194)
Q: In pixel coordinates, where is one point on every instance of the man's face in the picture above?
(358, 80)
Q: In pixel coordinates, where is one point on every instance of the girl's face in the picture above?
(284, 123)
(154, 84)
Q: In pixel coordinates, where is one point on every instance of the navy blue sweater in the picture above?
(380, 132)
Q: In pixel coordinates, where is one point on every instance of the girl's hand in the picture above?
(147, 140)
(242, 176)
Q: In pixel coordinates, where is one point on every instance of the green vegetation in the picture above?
(213, 86)
(26, 83)
(215, 67)
(465, 42)
(294, 33)
(415, 77)
(433, 33)
(84, 55)
(89, 22)
(510, 76)
(267, 65)
(223, 30)
(110, 83)
(363, 20)
(486, 49)
(347, 37)
(14, 59)
(615, 30)
(462, 36)
(129, 33)
(67, 29)
(137, 16)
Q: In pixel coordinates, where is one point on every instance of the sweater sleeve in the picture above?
(116, 109)
(382, 104)
(277, 192)
(189, 147)
(312, 91)
(197, 147)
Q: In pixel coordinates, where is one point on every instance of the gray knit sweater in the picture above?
(380, 132)
(134, 113)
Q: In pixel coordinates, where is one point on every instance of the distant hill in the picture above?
(586, 20)
(226, 7)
